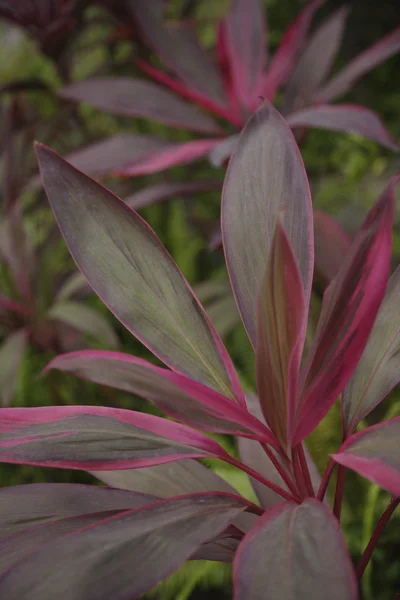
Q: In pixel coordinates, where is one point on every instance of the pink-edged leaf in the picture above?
(220, 550)
(11, 305)
(113, 152)
(245, 39)
(177, 395)
(349, 309)
(87, 437)
(165, 158)
(222, 151)
(378, 370)
(359, 66)
(25, 506)
(11, 355)
(134, 275)
(374, 453)
(85, 319)
(163, 191)
(264, 176)
(349, 118)
(315, 63)
(281, 321)
(138, 98)
(286, 56)
(294, 552)
(115, 558)
(331, 243)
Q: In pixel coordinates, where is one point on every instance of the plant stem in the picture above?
(337, 508)
(298, 474)
(376, 535)
(281, 469)
(305, 470)
(270, 484)
(325, 479)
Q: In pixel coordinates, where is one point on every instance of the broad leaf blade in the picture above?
(294, 552)
(374, 453)
(138, 98)
(116, 558)
(11, 355)
(378, 370)
(349, 118)
(348, 313)
(163, 191)
(265, 175)
(87, 437)
(133, 274)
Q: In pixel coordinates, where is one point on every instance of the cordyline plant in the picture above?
(90, 543)
(229, 85)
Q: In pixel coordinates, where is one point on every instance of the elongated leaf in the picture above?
(294, 552)
(10, 305)
(170, 156)
(378, 370)
(86, 320)
(87, 437)
(138, 98)
(223, 150)
(180, 49)
(178, 396)
(163, 191)
(280, 337)
(135, 277)
(359, 66)
(17, 250)
(11, 355)
(315, 62)
(332, 243)
(265, 174)
(375, 454)
(116, 558)
(348, 313)
(25, 506)
(74, 284)
(245, 38)
(349, 118)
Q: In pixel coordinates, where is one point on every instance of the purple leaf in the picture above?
(294, 552)
(87, 437)
(180, 49)
(349, 118)
(135, 277)
(359, 66)
(163, 191)
(245, 39)
(332, 244)
(374, 453)
(85, 319)
(264, 176)
(11, 355)
(176, 395)
(281, 327)
(138, 98)
(315, 63)
(222, 151)
(348, 313)
(111, 559)
(284, 59)
(378, 370)
(170, 156)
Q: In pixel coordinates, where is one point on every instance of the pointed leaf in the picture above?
(349, 118)
(294, 552)
(348, 313)
(135, 277)
(163, 191)
(245, 38)
(265, 174)
(85, 319)
(359, 66)
(280, 336)
(222, 151)
(111, 559)
(74, 284)
(378, 370)
(138, 98)
(374, 453)
(332, 243)
(178, 396)
(11, 355)
(315, 63)
(87, 437)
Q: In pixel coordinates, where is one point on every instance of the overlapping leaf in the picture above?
(85, 319)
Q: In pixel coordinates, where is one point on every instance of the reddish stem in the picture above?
(305, 470)
(281, 469)
(325, 479)
(337, 508)
(376, 535)
(298, 474)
